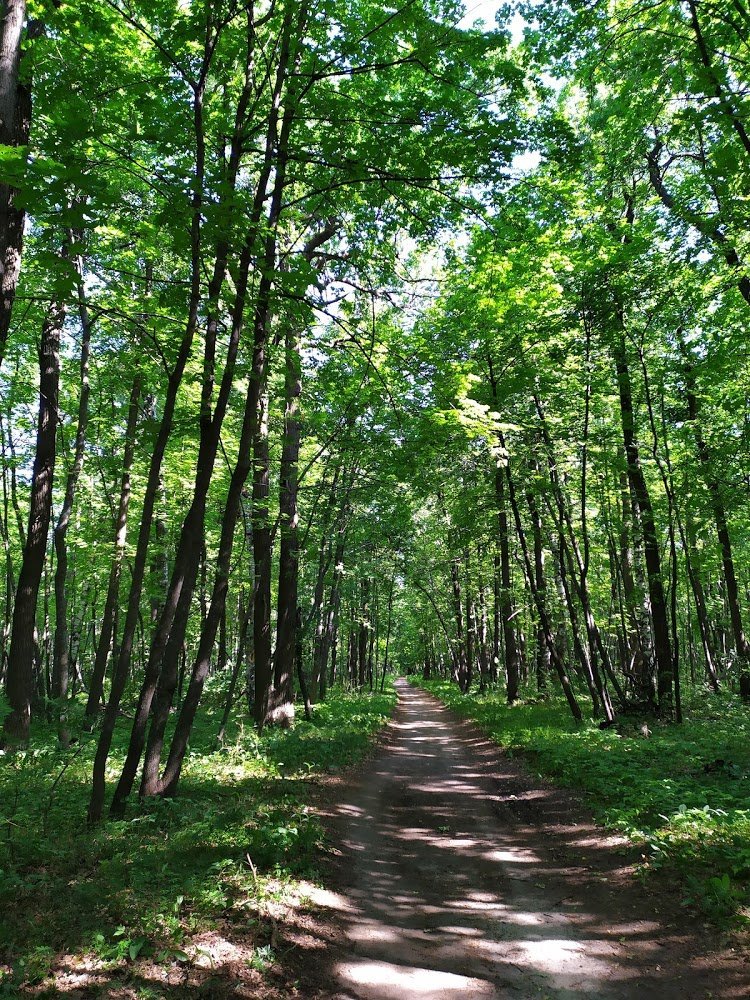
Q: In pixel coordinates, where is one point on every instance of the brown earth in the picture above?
(461, 875)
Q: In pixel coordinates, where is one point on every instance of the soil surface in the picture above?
(456, 874)
(461, 875)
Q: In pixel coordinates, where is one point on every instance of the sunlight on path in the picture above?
(453, 893)
(386, 980)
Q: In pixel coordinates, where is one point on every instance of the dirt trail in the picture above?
(461, 876)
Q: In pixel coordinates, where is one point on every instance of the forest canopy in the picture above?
(341, 339)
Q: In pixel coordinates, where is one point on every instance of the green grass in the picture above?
(239, 829)
(682, 793)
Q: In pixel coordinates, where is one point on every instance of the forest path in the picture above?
(462, 876)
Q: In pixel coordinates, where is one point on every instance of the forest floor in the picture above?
(461, 874)
(451, 870)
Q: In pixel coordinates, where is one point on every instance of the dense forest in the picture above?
(345, 339)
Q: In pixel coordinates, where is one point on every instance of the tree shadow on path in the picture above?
(462, 876)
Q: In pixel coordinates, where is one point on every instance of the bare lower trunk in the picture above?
(721, 522)
(262, 552)
(20, 679)
(61, 664)
(641, 496)
(540, 607)
(168, 783)
(163, 666)
(286, 627)
(510, 642)
(109, 615)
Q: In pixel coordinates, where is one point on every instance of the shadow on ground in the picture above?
(458, 875)
(461, 877)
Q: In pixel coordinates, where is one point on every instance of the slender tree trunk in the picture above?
(639, 489)
(637, 665)
(701, 612)
(20, 679)
(330, 634)
(15, 121)
(239, 660)
(10, 586)
(496, 616)
(318, 615)
(61, 664)
(482, 639)
(510, 642)
(542, 650)
(388, 631)
(461, 664)
(582, 653)
(363, 635)
(301, 669)
(569, 544)
(721, 522)
(168, 640)
(122, 668)
(540, 607)
(162, 669)
(470, 628)
(262, 551)
(287, 607)
(232, 508)
(109, 616)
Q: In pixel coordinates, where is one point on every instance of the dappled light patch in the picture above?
(90, 905)
(386, 980)
(450, 882)
(666, 793)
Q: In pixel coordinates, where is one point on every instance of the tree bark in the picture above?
(639, 490)
(541, 609)
(20, 679)
(61, 665)
(109, 616)
(510, 644)
(15, 121)
(122, 668)
(287, 603)
(741, 645)
(162, 669)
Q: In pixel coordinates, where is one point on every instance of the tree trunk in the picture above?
(162, 669)
(107, 631)
(721, 522)
(262, 552)
(461, 664)
(239, 660)
(286, 627)
(363, 635)
(122, 669)
(639, 490)
(542, 650)
(20, 679)
(510, 643)
(232, 508)
(61, 665)
(15, 121)
(541, 609)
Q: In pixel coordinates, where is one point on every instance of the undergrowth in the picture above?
(238, 832)
(682, 792)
